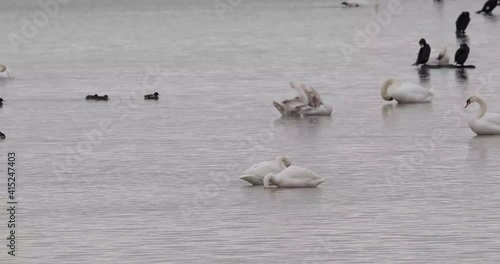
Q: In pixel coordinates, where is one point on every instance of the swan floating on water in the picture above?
(255, 174)
(483, 123)
(293, 177)
(406, 93)
(4, 71)
(307, 103)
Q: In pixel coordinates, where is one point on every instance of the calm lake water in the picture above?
(134, 181)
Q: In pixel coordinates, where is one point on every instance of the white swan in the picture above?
(443, 57)
(4, 71)
(308, 102)
(405, 93)
(483, 123)
(293, 177)
(255, 174)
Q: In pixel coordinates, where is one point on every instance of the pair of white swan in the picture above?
(483, 123)
(4, 71)
(307, 103)
(280, 173)
(406, 93)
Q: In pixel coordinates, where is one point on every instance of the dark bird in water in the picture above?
(2, 135)
(1, 102)
(353, 4)
(462, 54)
(462, 22)
(97, 97)
(424, 53)
(489, 6)
(151, 96)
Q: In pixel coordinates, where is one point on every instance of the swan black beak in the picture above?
(467, 104)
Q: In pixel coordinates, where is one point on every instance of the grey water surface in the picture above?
(135, 181)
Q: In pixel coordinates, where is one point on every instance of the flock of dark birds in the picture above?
(105, 97)
(462, 22)
(96, 97)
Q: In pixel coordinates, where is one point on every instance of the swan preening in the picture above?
(483, 123)
(293, 177)
(4, 71)
(405, 93)
(308, 102)
(443, 57)
(280, 173)
(255, 174)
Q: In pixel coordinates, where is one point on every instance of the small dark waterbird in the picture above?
(2, 135)
(489, 6)
(424, 53)
(462, 54)
(1, 102)
(97, 97)
(462, 22)
(154, 96)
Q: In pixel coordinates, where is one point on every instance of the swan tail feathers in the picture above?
(318, 182)
(252, 179)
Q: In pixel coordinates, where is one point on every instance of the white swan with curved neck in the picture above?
(307, 103)
(483, 123)
(443, 57)
(406, 93)
(4, 71)
(255, 174)
(293, 177)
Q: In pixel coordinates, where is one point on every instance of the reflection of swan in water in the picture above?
(293, 177)
(255, 174)
(4, 71)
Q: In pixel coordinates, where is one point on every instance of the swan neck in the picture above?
(267, 179)
(482, 108)
(385, 90)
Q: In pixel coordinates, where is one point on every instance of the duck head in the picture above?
(156, 94)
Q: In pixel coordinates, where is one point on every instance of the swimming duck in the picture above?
(2, 135)
(151, 96)
(97, 97)
(1, 102)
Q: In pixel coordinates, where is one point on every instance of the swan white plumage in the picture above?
(255, 174)
(443, 57)
(483, 123)
(293, 177)
(406, 93)
(4, 71)
(308, 102)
